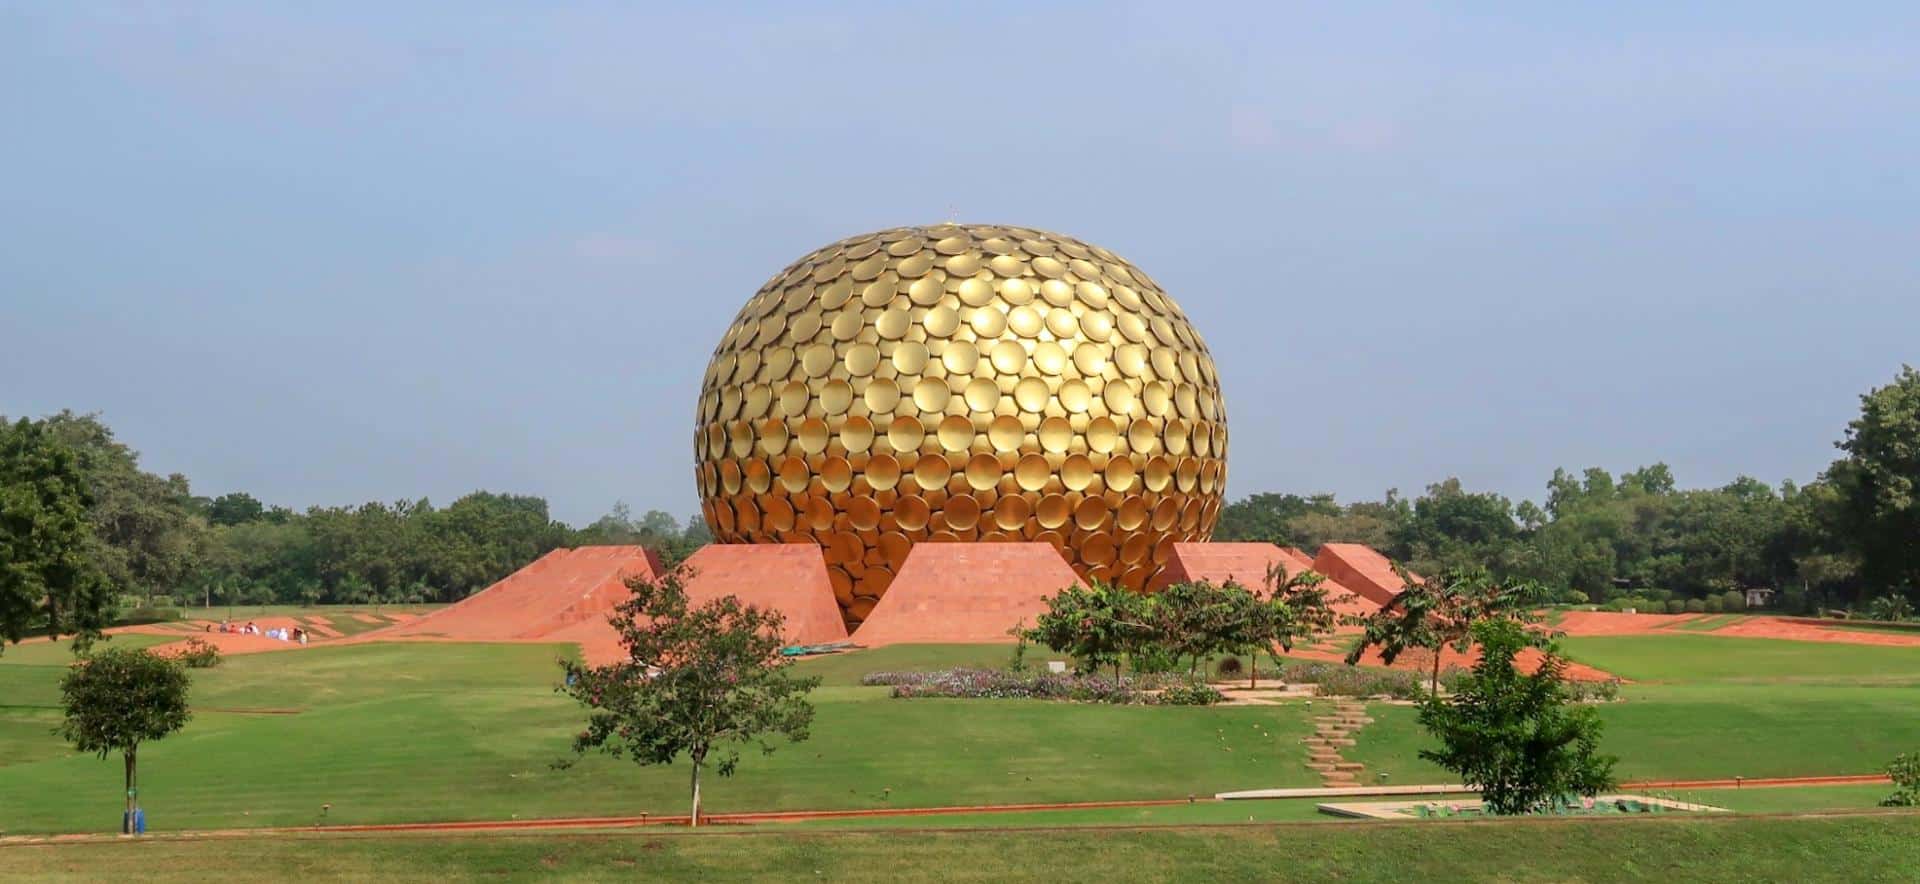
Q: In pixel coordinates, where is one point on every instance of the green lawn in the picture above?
(1690, 658)
(1857, 848)
(1710, 707)
(439, 731)
(436, 731)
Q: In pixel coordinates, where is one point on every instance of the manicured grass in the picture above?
(1708, 623)
(60, 653)
(1862, 848)
(440, 731)
(1684, 658)
(1702, 732)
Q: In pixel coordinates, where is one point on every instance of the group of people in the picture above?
(281, 633)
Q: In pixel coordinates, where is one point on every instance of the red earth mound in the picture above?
(1333, 650)
(1360, 569)
(966, 592)
(560, 589)
(1247, 564)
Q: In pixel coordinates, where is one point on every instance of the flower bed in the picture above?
(996, 684)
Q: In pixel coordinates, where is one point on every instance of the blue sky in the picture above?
(335, 252)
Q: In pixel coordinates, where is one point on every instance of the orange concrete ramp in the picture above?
(787, 577)
(560, 589)
(966, 592)
(1247, 564)
(1361, 569)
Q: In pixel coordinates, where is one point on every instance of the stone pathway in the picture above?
(1331, 733)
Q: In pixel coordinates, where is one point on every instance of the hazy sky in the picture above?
(327, 253)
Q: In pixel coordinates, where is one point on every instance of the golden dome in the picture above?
(962, 383)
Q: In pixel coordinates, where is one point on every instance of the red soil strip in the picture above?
(1802, 630)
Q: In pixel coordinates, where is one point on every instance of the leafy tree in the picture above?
(1096, 626)
(1891, 608)
(1879, 482)
(117, 699)
(698, 681)
(147, 525)
(48, 571)
(1905, 773)
(236, 508)
(1438, 612)
(1293, 609)
(1194, 620)
(1515, 737)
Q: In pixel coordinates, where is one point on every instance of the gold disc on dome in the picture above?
(1075, 397)
(983, 472)
(910, 357)
(1031, 394)
(883, 472)
(962, 512)
(793, 474)
(817, 360)
(1053, 511)
(836, 474)
(930, 395)
(987, 321)
(1025, 321)
(1005, 433)
(906, 433)
(813, 435)
(915, 266)
(976, 292)
(1120, 474)
(1091, 513)
(955, 433)
(932, 472)
(1076, 472)
(836, 397)
(982, 395)
(1102, 435)
(856, 434)
(1119, 397)
(1008, 357)
(881, 395)
(892, 323)
(941, 321)
(1011, 512)
(1056, 434)
(880, 292)
(960, 357)
(863, 513)
(773, 436)
(911, 512)
(1049, 357)
(1032, 472)
(964, 264)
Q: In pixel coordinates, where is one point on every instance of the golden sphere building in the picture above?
(958, 383)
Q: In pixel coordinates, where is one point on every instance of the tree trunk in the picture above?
(1253, 672)
(694, 819)
(1434, 685)
(132, 802)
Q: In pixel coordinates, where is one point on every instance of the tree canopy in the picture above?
(48, 555)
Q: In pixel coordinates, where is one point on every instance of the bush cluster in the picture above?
(199, 654)
(1341, 680)
(995, 684)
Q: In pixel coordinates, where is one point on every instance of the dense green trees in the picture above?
(49, 576)
(1840, 541)
(136, 538)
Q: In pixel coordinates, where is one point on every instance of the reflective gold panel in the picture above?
(961, 382)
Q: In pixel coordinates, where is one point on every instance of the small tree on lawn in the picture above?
(117, 699)
(1905, 774)
(1517, 738)
(1293, 610)
(699, 681)
(1096, 626)
(1195, 620)
(1438, 612)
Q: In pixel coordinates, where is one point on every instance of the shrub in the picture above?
(1352, 681)
(994, 684)
(151, 615)
(1676, 606)
(1188, 695)
(1905, 773)
(199, 654)
(1714, 604)
(1696, 606)
(1229, 669)
(1594, 691)
(1574, 597)
(1733, 600)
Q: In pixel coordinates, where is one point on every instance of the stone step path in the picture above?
(1331, 733)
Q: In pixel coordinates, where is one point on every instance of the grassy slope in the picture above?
(1871, 848)
(393, 732)
(1705, 706)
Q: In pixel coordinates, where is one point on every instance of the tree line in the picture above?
(151, 541)
(1849, 539)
